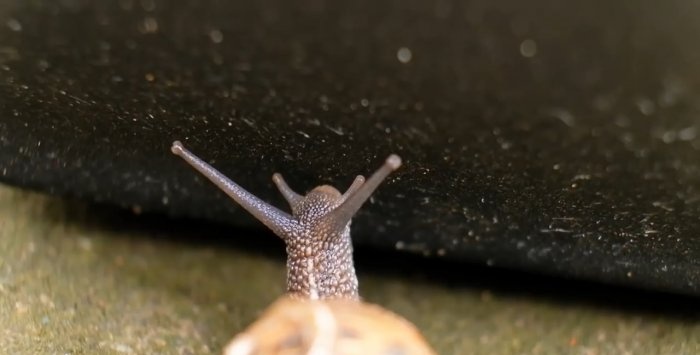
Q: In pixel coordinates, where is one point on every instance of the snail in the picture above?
(322, 312)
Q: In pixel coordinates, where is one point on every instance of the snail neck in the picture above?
(322, 267)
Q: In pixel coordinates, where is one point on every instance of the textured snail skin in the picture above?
(322, 313)
(317, 233)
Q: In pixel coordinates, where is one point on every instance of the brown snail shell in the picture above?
(292, 326)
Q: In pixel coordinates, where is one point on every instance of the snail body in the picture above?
(322, 313)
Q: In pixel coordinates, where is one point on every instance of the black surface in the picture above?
(579, 158)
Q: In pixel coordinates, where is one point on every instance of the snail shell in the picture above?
(293, 326)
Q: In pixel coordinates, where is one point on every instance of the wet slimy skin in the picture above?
(317, 233)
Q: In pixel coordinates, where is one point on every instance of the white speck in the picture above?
(364, 102)
(505, 145)
(338, 131)
(216, 36)
(21, 308)
(662, 205)
(528, 48)
(400, 245)
(85, 244)
(306, 135)
(555, 230)
(646, 106)
(165, 200)
(122, 348)
(149, 25)
(404, 55)
(669, 136)
(687, 134)
(563, 115)
(490, 262)
(248, 121)
(14, 25)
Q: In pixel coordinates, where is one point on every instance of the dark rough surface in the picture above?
(548, 136)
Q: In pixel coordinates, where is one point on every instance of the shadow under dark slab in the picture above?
(439, 272)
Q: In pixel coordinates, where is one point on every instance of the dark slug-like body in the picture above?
(322, 314)
(317, 234)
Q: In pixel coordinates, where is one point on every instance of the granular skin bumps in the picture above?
(322, 313)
